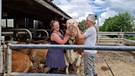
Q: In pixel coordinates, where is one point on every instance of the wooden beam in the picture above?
(50, 7)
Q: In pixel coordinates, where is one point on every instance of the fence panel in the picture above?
(117, 41)
(46, 46)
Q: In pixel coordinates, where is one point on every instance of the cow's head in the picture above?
(71, 23)
(72, 55)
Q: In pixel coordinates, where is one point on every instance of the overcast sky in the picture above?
(79, 9)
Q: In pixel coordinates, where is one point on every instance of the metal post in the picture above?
(9, 60)
(1, 54)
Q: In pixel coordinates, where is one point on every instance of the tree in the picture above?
(82, 25)
(121, 22)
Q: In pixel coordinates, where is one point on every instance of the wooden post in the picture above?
(118, 38)
(122, 38)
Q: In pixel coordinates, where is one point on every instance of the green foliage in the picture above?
(119, 23)
(130, 37)
(82, 25)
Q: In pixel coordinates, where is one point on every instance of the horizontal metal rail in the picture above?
(41, 74)
(47, 46)
(41, 30)
(25, 30)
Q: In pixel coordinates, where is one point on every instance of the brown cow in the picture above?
(25, 51)
(73, 55)
(38, 57)
(20, 62)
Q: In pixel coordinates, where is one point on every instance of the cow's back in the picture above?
(20, 62)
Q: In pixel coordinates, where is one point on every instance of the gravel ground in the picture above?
(115, 63)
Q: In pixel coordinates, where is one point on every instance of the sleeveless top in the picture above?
(55, 57)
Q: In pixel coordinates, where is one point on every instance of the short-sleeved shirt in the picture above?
(90, 39)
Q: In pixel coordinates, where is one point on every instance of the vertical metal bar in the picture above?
(6, 23)
(1, 56)
(34, 26)
(9, 60)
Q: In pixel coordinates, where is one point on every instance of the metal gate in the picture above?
(47, 46)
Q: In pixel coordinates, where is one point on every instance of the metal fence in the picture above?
(47, 46)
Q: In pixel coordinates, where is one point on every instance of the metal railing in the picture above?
(41, 30)
(18, 30)
(47, 46)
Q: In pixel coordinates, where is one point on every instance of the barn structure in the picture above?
(27, 18)
(30, 14)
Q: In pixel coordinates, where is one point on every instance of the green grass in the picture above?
(130, 37)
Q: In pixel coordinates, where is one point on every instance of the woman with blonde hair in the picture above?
(55, 57)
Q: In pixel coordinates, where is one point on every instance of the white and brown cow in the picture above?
(72, 56)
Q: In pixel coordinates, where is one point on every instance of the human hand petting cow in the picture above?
(73, 22)
(69, 23)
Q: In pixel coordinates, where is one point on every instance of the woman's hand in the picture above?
(76, 24)
(68, 33)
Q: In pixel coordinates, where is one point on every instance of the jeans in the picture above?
(89, 64)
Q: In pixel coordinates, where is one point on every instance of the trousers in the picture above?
(89, 64)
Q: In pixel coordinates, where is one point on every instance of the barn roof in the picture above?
(35, 9)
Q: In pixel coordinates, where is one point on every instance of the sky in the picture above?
(79, 9)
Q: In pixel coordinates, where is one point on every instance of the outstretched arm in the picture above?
(81, 36)
(57, 39)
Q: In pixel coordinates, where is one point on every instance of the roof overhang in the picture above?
(35, 9)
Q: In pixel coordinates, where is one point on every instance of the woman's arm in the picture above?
(57, 39)
(81, 36)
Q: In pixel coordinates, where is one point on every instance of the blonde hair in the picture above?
(52, 22)
(96, 28)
